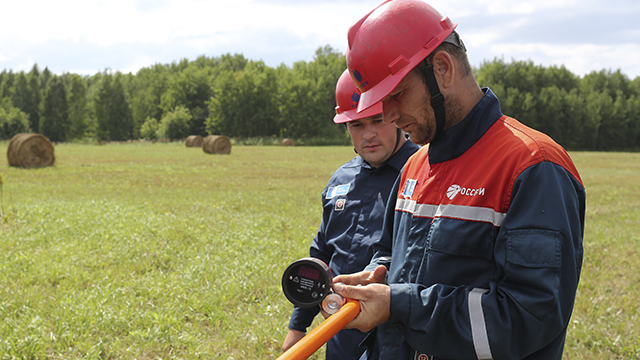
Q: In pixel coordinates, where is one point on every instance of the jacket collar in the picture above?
(457, 139)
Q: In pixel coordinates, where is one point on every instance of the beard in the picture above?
(423, 131)
(425, 127)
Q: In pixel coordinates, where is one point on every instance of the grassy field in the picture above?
(158, 251)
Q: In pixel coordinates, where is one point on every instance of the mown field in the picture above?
(158, 251)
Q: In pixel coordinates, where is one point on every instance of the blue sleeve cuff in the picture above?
(301, 318)
(400, 305)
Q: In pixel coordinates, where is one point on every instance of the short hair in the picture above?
(459, 52)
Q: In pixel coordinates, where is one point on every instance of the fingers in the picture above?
(343, 290)
(379, 275)
(350, 291)
(353, 279)
(374, 304)
(368, 288)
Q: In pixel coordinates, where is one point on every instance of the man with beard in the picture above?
(481, 250)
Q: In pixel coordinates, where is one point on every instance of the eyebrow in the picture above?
(396, 90)
(402, 85)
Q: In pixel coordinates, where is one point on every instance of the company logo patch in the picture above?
(360, 83)
(421, 356)
(355, 98)
(338, 190)
(409, 188)
(357, 76)
(340, 204)
(454, 190)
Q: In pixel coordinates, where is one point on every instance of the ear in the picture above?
(444, 69)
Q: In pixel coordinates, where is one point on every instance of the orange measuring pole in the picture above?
(322, 333)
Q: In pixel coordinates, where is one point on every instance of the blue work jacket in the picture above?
(353, 208)
(483, 244)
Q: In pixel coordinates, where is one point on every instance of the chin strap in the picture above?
(398, 134)
(437, 99)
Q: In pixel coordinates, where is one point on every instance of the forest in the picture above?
(243, 99)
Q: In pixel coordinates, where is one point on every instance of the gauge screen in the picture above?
(306, 282)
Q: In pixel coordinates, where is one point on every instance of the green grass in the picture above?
(606, 319)
(158, 251)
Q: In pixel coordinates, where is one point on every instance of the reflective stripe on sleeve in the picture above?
(478, 326)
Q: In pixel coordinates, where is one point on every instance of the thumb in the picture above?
(379, 275)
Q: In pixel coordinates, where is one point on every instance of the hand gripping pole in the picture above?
(322, 333)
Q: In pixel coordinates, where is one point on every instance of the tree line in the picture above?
(600, 111)
(242, 98)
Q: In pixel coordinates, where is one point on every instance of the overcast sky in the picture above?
(88, 36)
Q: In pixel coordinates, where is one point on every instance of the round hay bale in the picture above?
(194, 141)
(30, 151)
(287, 142)
(216, 144)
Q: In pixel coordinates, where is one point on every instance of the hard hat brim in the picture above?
(351, 115)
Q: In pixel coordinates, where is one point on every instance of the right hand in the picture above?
(293, 336)
(369, 288)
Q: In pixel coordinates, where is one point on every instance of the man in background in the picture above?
(353, 205)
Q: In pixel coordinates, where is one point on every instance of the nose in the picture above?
(369, 132)
(390, 111)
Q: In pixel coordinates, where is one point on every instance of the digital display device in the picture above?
(309, 273)
(306, 282)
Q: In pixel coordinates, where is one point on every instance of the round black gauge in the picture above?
(306, 282)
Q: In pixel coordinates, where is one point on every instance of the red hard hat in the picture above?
(390, 41)
(347, 98)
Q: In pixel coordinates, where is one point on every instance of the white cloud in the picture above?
(526, 7)
(126, 35)
(579, 59)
